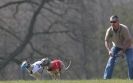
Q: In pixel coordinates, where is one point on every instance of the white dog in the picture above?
(35, 70)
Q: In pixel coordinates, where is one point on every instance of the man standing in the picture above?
(118, 41)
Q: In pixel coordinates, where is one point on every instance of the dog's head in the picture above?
(45, 62)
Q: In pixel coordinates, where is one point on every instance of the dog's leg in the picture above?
(52, 74)
(36, 75)
(57, 74)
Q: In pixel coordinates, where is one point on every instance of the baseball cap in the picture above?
(114, 18)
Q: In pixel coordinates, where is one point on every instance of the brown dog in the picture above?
(55, 68)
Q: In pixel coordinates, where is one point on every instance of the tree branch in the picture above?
(19, 49)
(12, 3)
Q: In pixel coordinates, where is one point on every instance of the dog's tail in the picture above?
(24, 66)
(66, 68)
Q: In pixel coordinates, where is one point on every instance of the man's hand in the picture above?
(121, 53)
(110, 53)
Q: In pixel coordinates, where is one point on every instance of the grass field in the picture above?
(69, 81)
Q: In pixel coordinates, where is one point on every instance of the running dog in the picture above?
(55, 68)
(35, 70)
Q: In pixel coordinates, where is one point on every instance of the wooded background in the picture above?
(68, 29)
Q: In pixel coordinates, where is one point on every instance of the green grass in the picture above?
(69, 81)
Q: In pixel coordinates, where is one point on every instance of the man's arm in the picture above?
(127, 43)
(107, 45)
(128, 40)
(108, 40)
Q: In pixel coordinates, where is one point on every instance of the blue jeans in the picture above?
(112, 60)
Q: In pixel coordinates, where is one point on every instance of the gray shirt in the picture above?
(118, 38)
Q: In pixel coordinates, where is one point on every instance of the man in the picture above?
(118, 42)
(35, 70)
